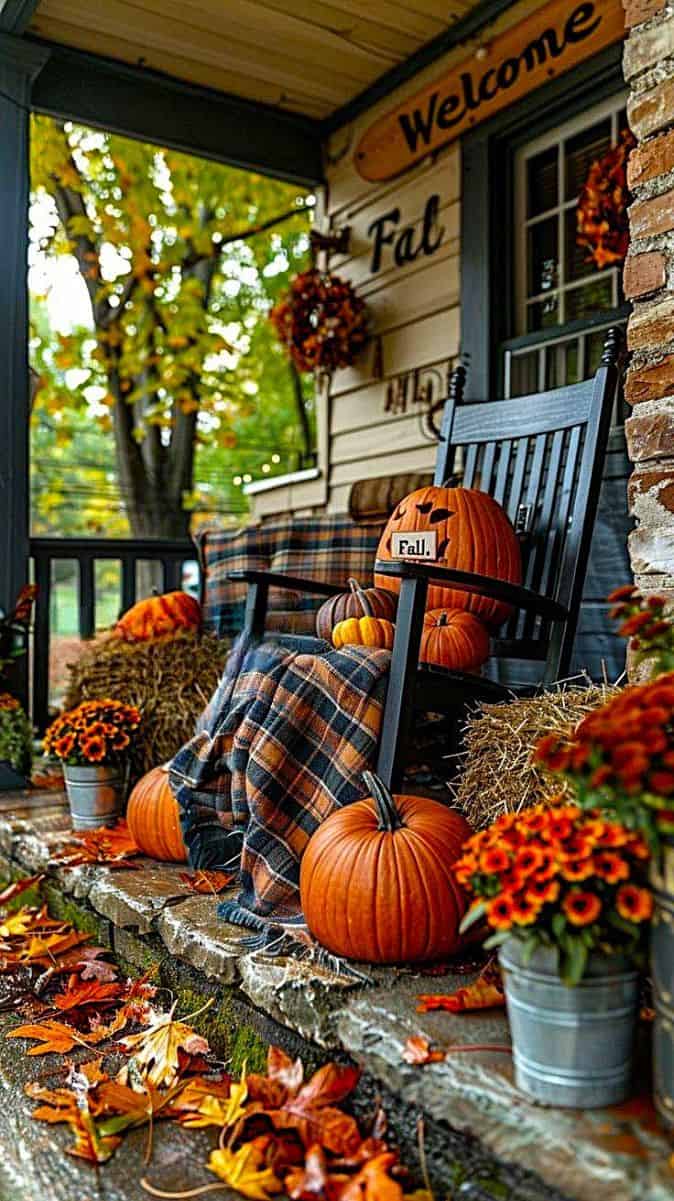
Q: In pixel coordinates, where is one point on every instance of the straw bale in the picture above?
(498, 775)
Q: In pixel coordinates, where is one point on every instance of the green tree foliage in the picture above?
(178, 370)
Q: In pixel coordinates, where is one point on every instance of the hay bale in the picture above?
(171, 682)
(498, 774)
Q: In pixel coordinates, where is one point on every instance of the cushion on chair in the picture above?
(328, 548)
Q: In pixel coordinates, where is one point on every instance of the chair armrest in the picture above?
(290, 582)
(483, 585)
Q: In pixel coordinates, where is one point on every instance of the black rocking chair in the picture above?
(541, 457)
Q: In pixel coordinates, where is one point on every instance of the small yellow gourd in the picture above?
(363, 631)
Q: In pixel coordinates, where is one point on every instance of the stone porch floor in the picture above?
(483, 1136)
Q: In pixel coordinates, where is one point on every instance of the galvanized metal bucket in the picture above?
(662, 968)
(571, 1046)
(96, 793)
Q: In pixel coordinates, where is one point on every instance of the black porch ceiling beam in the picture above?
(15, 15)
(468, 25)
(145, 104)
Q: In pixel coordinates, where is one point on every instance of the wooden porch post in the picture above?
(19, 64)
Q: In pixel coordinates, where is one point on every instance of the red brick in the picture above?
(652, 489)
(650, 160)
(650, 382)
(653, 110)
(650, 435)
(651, 217)
(651, 326)
(644, 273)
(638, 11)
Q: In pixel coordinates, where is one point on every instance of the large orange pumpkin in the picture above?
(159, 617)
(454, 639)
(376, 880)
(153, 818)
(473, 534)
(357, 602)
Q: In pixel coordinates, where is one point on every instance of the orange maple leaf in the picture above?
(205, 882)
(51, 1036)
(80, 993)
(483, 993)
(373, 1182)
(417, 1050)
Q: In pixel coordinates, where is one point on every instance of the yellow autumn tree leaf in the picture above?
(155, 1049)
(245, 1170)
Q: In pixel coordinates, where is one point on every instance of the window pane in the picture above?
(587, 301)
(561, 364)
(579, 154)
(542, 182)
(542, 313)
(524, 373)
(543, 257)
(578, 261)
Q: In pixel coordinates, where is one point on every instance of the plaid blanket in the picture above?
(283, 743)
(329, 548)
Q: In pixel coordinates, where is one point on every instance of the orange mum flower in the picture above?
(542, 891)
(525, 910)
(529, 859)
(493, 861)
(577, 869)
(581, 908)
(547, 867)
(610, 867)
(64, 745)
(634, 904)
(93, 749)
(500, 913)
(464, 868)
(120, 741)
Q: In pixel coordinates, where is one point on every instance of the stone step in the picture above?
(481, 1129)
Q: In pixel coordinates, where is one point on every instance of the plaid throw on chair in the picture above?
(283, 743)
(329, 548)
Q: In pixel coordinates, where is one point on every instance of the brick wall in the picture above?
(649, 284)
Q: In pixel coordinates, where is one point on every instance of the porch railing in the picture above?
(167, 557)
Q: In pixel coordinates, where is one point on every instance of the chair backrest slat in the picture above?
(541, 458)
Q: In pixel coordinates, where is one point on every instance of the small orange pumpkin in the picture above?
(363, 631)
(376, 880)
(153, 818)
(159, 617)
(473, 534)
(454, 639)
(357, 602)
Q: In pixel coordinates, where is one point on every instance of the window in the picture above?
(562, 302)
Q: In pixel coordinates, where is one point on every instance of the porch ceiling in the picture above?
(305, 56)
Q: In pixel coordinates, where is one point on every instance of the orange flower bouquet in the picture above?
(559, 878)
(620, 758)
(96, 732)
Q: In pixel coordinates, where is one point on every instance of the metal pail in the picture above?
(571, 1046)
(96, 794)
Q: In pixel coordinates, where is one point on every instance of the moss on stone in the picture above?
(249, 1050)
(80, 917)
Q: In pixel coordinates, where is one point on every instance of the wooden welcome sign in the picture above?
(547, 43)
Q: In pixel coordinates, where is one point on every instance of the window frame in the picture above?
(487, 256)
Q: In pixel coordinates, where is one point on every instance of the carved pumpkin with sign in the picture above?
(473, 533)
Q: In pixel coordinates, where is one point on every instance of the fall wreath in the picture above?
(321, 321)
(602, 206)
